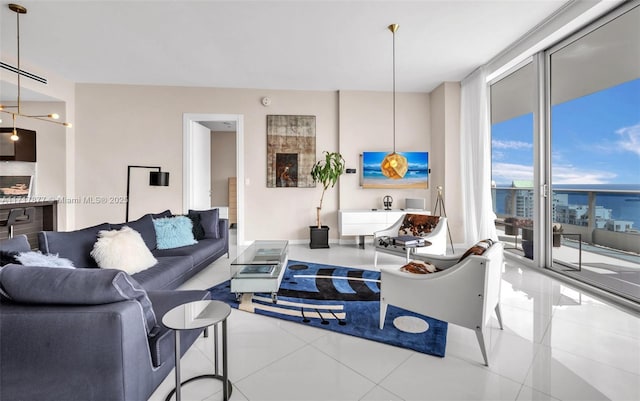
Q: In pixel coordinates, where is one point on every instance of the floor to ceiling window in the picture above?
(512, 156)
(594, 94)
(588, 153)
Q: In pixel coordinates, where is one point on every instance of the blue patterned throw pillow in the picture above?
(174, 232)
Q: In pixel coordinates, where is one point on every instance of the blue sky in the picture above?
(595, 140)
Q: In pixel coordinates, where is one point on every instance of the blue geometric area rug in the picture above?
(344, 300)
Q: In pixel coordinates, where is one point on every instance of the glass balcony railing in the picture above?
(597, 238)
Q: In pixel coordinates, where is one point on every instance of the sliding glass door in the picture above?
(512, 158)
(566, 155)
(593, 81)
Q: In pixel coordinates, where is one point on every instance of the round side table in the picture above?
(199, 315)
(412, 248)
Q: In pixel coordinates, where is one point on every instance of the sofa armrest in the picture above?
(51, 352)
(223, 229)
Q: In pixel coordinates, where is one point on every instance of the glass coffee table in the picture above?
(259, 268)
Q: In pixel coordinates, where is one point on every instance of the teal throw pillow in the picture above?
(174, 232)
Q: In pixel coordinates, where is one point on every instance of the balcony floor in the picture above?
(610, 269)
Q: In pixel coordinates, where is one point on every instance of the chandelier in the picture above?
(17, 109)
(394, 165)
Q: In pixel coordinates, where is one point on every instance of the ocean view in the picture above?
(623, 205)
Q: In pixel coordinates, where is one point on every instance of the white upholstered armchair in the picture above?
(465, 293)
(413, 224)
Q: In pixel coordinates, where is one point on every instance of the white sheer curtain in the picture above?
(475, 159)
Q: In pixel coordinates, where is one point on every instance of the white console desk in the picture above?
(362, 222)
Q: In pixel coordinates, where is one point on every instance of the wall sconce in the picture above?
(157, 178)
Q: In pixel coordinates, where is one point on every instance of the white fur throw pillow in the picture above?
(41, 259)
(122, 249)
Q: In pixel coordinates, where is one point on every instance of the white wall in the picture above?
(223, 166)
(200, 167)
(366, 124)
(445, 163)
(147, 130)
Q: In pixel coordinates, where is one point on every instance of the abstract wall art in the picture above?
(291, 151)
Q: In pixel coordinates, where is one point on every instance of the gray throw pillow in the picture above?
(144, 225)
(209, 222)
(165, 213)
(35, 285)
(74, 245)
(19, 243)
(198, 231)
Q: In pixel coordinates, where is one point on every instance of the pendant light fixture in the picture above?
(18, 9)
(394, 165)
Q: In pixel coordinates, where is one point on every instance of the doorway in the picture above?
(191, 156)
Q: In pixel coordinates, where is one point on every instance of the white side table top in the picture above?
(196, 315)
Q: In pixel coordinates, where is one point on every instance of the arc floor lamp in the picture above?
(157, 178)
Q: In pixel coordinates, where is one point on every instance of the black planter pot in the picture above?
(527, 247)
(319, 237)
(510, 229)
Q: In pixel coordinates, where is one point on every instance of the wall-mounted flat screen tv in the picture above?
(22, 150)
(417, 176)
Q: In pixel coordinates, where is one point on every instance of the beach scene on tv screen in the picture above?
(417, 176)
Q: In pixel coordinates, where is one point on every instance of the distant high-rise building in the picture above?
(619, 225)
(579, 215)
(519, 201)
(558, 200)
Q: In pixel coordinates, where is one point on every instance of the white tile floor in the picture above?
(558, 344)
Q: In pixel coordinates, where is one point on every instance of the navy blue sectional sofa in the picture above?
(90, 333)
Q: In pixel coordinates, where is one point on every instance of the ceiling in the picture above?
(293, 45)
(220, 126)
(600, 59)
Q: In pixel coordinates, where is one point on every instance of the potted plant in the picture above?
(557, 234)
(527, 229)
(326, 172)
(511, 226)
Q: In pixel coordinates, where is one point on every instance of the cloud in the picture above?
(504, 173)
(630, 138)
(497, 155)
(568, 174)
(497, 144)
